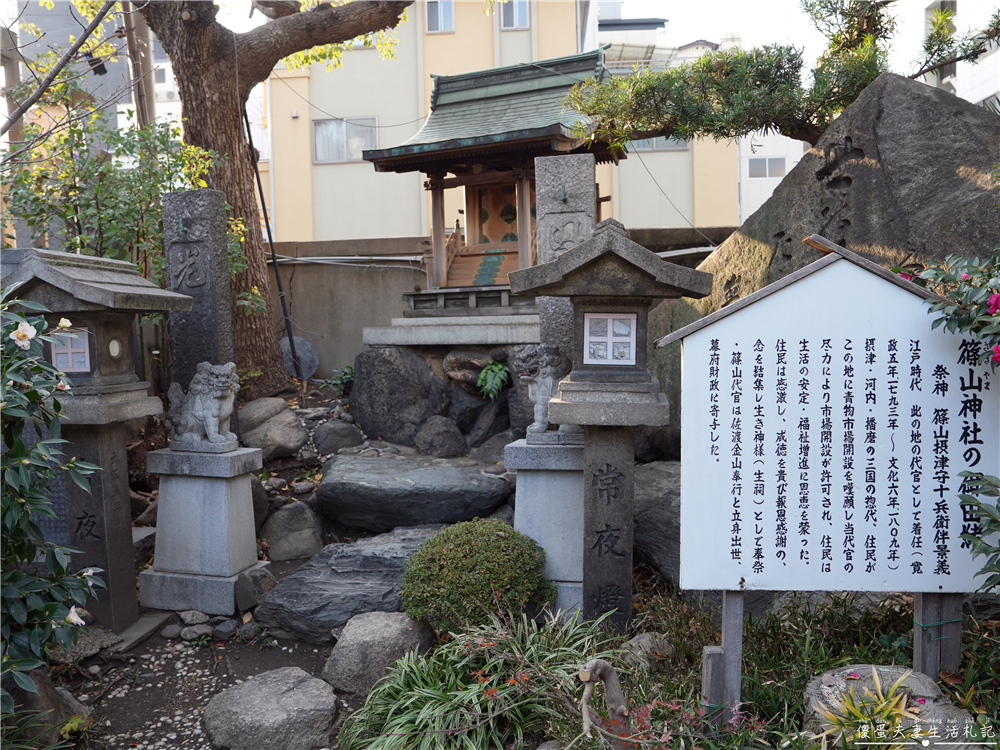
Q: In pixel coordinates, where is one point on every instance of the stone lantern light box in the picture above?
(101, 297)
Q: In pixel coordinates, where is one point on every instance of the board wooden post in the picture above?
(937, 633)
(732, 647)
(713, 673)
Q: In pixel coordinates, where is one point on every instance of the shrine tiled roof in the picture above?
(500, 107)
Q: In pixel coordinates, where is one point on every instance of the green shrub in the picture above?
(501, 685)
(471, 570)
(37, 603)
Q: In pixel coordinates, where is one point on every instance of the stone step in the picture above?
(456, 331)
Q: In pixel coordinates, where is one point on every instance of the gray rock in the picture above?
(248, 631)
(334, 434)
(465, 408)
(280, 436)
(370, 644)
(313, 414)
(492, 449)
(379, 494)
(260, 503)
(252, 586)
(254, 413)
(303, 488)
(644, 647)
(293, 532)
(137, 503)
(171, 631)
(148, 516)
(463, 366)
(225, 630)
(307, 355)
(865, 186)
(440, 436)
(273, 484)
(306, 454)
(649, 442)
(192, 617)
(196, 631)
(284, 708)
(493, 420)
(58, 705)
(394, 393)
(504, 513)
(341, 581)
(936, 708)
(657, 516)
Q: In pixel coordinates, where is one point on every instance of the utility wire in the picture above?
(334, 117)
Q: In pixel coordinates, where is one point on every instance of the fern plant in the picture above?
(492, 378)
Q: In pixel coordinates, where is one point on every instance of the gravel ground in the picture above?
(154, 696)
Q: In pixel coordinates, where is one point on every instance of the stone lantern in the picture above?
(100, 296)
(611, 283)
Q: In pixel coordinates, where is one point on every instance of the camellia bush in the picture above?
(39, 594)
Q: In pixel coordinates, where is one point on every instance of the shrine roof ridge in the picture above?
(833, 253)
(611, 238)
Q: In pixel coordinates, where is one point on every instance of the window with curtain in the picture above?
(514, 14)
(440, 16)
(344, 140)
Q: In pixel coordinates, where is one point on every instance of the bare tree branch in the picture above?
(69, 55)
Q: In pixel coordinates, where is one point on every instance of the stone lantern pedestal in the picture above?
(611, 283)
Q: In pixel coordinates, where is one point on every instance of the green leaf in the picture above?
(24, 682)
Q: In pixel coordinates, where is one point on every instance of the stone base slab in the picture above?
(618, 413)
(203, 446)
(212, 595)
(554, 437)
(190, 463)
(522, 455)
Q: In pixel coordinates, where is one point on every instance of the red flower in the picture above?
(905, 276)
(994, 304)
(996, 353)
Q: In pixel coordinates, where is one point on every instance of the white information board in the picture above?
(824, 427)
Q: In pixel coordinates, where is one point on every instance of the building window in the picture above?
(660, 144)
(609, 339)
(514, 14)
(344, 140)
(159, 75)
(71, 352)
(769, 167)
(440, 16)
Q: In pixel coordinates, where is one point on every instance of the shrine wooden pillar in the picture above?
(523, 219)
(437, 272)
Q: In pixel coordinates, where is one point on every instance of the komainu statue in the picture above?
(202, 415)
(542, 366)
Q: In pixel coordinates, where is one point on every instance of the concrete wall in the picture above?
(331, 304)
(715, 184)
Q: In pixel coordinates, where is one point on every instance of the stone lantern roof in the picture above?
(611, 265)
(67, 282)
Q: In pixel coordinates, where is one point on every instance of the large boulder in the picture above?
(279, 436)
(284, 708)
(937, 713)
(464, 365)
(441, 437)
(293, 532)
(334, 434)
(370, 644)
(254, 413)
(394, 393)
(464, 408)
(379, 494)
(493, 420)
(657, 514)
(903, 175)
(341, 581)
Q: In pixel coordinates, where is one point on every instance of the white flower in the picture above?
(64, 323)
(88, 572)
(62, 386)
(23, 335)
(74, 618)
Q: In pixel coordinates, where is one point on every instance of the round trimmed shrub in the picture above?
(471, 570)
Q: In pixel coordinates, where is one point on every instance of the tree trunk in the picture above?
(215, 70)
